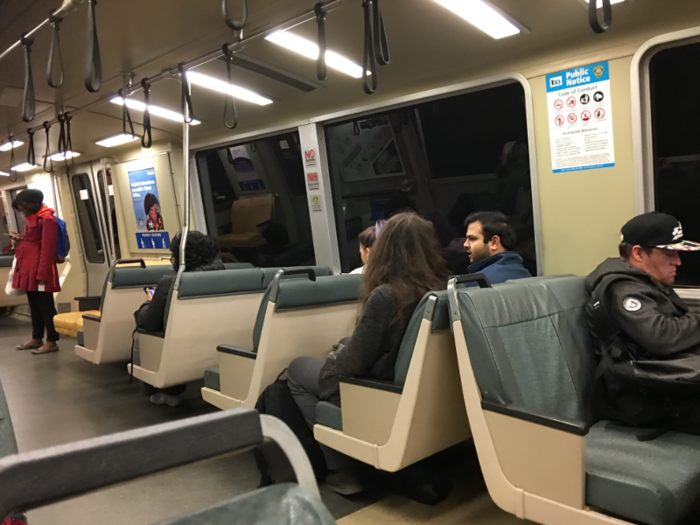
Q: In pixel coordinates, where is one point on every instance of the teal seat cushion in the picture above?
(211, 379)
(81, 338)
(329, 415)
(8, 443)
(653, 482)
(137, 357)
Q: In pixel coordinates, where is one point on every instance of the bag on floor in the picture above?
(276, 400)
(8, 287)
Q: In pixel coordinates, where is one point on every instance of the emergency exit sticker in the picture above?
(580, 118)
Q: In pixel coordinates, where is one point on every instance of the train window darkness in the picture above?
(675, 113)
(87, 217)
(255, 201)
(19, 218)
(446, 159)
(109, 209)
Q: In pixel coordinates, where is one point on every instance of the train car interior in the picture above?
(283, 136)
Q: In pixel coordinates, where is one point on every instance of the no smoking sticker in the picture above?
(312, 181)
(558, 104)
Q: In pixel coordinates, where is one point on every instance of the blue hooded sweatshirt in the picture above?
(501, 267)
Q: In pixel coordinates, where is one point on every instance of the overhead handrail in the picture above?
(55, 50)
(230, 99)
(596, 25)
(93, 62)
(147, 138)
(28, 99)
(126, 116)
(48, 161)
(321, 68)
(31, 154)
(185, 94)
(236, 25)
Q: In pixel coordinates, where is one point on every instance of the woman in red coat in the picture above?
(35, 270)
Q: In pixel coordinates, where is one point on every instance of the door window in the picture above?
(87, 218)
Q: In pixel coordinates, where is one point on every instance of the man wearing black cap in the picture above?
(634, 314)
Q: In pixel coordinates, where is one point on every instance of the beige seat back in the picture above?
(248, 212)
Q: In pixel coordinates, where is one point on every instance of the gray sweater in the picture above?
(373, 348)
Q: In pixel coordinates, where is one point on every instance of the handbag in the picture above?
(9, 290)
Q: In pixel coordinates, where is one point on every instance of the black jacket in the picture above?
(653, 323)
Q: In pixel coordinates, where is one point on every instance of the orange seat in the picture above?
(247, 214)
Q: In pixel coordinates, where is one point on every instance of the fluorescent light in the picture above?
(25, 166)
(68, 155)
(153, 110)
(9, 145)
(224, 87)
(482, 16)
(3, 174)
(309, 49)
(600, 3)
(117, 140)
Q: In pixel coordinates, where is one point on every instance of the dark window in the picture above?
(255, 201)
(675, 113)
(87, 217)
(110, 212)
(445, 159)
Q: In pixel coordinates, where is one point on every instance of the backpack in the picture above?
(276, 400)
(63, 244)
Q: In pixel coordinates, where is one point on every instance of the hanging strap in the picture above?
(28, 100)
(369, 64)
(61, 146)
(31, 155)
(236, 25)
(230, 104)
(93, 62)
(593, 20)
(126, 116)
(13, 173)
(185, 95)
(55, 50)
(321, 69)
(48, 161)
(68, 140)
(147, 138)
(381, 44)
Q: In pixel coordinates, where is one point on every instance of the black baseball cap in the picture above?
(657, 230)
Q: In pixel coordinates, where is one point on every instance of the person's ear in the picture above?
(495, 242)
(636, 253)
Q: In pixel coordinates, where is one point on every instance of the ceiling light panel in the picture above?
(157, 111)
(483, 16)
(9, 145)
(116, 140)
(25, 166)
(215, 84)
(3, 174)
(68, 155)
(309, 49)
(612, 2)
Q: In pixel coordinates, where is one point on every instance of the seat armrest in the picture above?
(88, 303)
(154, 334)
(236, 350)
(370, 382)
(565, 424)
(92, 317)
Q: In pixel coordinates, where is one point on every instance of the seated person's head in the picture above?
(400, 203)
(488, 233)
(651, 242)
(406, 256)
(276, 236)
(367, 239)
(201, 250)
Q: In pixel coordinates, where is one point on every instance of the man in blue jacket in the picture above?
(489, 242)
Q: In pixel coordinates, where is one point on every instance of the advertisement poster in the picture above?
(248, 178)
(147, 213)
(580, 118)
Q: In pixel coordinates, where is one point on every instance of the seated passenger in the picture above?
(634, 314)
(201, 255)
(489, 242)
(405, 265)
(366, 240)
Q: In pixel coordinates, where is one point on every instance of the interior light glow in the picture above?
(157, 111)
(60, 156)
(482, 16)
(221, 86)
(116, 140)
(9, 145)
(600, 3)
(25, 166)
(3, 174)
(309, 49)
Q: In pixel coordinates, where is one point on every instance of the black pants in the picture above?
(43, 309)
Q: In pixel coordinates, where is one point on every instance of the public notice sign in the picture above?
(580, 118)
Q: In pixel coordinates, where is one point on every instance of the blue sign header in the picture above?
(578, 76)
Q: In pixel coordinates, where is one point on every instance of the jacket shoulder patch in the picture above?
(631, 304)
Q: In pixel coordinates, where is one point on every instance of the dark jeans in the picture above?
(43, 309)
(302, 379)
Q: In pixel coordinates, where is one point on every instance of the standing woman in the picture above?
(35, 270)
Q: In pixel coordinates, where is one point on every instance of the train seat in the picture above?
(8, 443)
(8, 300)
(248, 215)
(527, 369)
(106, 334)
(418, 414)
(297, 317)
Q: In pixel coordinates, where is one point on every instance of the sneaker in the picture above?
(165, 399)
(344, 481)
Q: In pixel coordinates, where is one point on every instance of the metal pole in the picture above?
(186, 177)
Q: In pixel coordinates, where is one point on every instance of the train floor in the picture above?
(59, 398)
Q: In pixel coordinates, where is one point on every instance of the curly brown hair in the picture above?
(407, 257)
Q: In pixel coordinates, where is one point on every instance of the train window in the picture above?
(110, 212)
(255, 201)
(445, 159)
(676, 145)
(87, 218)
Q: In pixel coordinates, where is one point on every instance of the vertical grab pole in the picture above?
(187, 118)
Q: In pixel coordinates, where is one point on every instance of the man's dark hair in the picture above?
(625, 250)
(201, 250)
(493, 223)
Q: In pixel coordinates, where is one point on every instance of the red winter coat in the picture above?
(36, 253)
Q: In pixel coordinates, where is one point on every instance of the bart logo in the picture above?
(598, 71)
